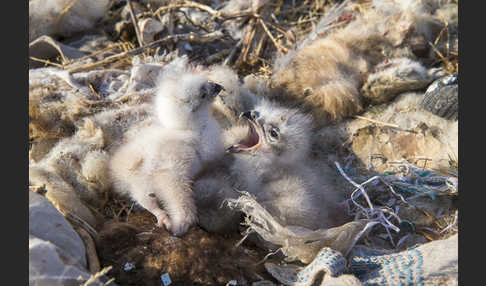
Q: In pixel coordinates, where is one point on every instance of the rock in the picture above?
(46, 48)
(61, 193)
(149, 28)
(56, 17)
(420, 134)
(47, 223)
(57, 256)
(442, 98)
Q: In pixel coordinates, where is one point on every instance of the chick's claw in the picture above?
(181, 224)
(163, 220)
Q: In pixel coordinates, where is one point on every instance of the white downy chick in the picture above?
(159, 162)
(273, 164)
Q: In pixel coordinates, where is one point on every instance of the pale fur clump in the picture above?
(53, 110)
(74, 171)
(394, 77)
(94, 169)
(115, 122)
(159, 161)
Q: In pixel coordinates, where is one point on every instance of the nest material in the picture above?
(195, 28)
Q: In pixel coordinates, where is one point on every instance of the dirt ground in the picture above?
(197, 258)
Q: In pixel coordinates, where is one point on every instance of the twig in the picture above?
(265, 28)
(267, 256)
(46, 62)
(444, 59)
(211, 11)
(188, 4)
(98, 275)
(244, 238)
(451, 225)
(135, 23)
(94, 91)
(377, 122)
(75, 220)
(91, 255)
(184, 37)
(110, 47)
(192, 22)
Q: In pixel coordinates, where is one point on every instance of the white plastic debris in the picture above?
(128, 266)
(188, 47)
(166, 281)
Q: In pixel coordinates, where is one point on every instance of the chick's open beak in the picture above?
(253, 138)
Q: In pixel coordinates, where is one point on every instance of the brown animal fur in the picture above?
(326, 75)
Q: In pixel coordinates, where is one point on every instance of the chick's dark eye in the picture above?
(273, 133)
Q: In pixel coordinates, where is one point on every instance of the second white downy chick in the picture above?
(158, 162)
(272, 162)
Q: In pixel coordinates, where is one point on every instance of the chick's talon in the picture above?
(181, 224)
(163, 220)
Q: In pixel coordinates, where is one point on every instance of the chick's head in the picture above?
(184, 95)
(275, 132)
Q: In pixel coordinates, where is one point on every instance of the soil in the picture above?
(197, 258)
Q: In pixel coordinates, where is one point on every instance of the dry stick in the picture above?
(94, 91)
(91, 255)
(135, 23)
(188, 4)
(259, 46)
(170, 26)
(267, 256)
(185, 37)
(98, 275)
(110, 47)
(192, 22)
(265, 28)
(75, 220)
(444, 59)
(377, 122)
(46, 62)
(440, 34)
(214, 13)
(281, 30)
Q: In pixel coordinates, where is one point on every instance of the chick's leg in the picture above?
(175, 192)
(149, 201)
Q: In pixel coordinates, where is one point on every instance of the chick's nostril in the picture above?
(255, 114)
